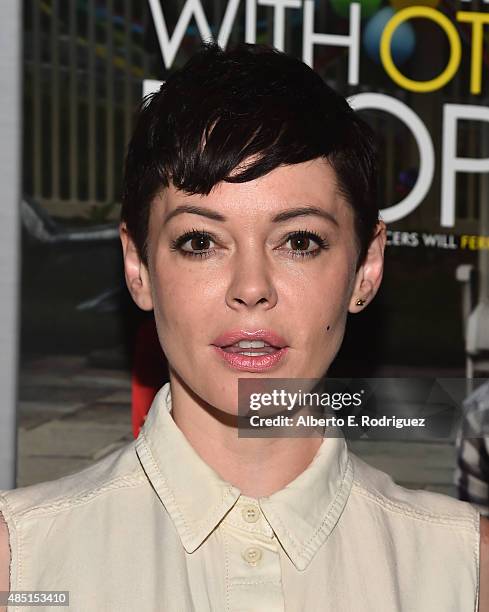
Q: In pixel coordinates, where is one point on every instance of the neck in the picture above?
(258, 467)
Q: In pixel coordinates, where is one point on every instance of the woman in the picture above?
(249, 226)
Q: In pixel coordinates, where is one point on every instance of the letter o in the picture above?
(425, 147)
(453, 38)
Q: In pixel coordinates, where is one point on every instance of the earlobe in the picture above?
(362, 295)
(369, 275)
(135, 271)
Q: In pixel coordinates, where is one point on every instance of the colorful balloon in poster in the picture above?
(403, 40)
(368, 7)
(402, 4)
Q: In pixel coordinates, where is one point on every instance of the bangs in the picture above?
(235, 116)
(206, 135)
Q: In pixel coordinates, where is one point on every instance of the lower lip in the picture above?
(260, 363)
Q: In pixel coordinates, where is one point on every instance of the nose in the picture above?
(251, 285)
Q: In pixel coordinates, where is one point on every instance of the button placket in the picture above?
(250, 514)
(252, 555)
(254, 570)
(248, 518)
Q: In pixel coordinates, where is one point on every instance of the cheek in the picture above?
(320, 299)
(183, 303)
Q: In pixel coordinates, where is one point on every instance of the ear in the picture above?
(136, 272)
(369, 275)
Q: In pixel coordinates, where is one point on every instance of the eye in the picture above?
(304, 243)
(195, 243)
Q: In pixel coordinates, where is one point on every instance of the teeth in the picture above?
(255, 354)
(251, 344)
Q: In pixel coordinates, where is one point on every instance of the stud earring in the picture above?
(360, 302)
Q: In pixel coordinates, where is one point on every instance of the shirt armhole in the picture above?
(4, 557)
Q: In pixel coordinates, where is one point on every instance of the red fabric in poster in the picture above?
(149, 372)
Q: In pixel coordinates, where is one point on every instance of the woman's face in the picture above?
(272, 260)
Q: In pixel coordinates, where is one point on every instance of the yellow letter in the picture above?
(453, 38)
(478, 20)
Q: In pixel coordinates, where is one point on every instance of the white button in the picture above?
(250, 514)
(252, 555)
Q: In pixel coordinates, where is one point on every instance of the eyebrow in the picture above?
(280, 217)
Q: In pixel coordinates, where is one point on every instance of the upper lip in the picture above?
(231, 337)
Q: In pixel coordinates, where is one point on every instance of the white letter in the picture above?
(255, 401)
(279, 18)
(453, 164)
(310, 38)
(425, 147)
(193, 8)
(292, 400)
(227, 23)
(250, 22)
(151, 86)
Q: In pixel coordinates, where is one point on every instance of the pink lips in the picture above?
(258, 363)
(233, 336)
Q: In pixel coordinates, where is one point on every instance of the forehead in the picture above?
(312, 184)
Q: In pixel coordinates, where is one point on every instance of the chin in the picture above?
(225, 403)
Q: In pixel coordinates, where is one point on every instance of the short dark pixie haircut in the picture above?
(236, 115)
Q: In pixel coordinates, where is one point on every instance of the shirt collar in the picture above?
(302, 514)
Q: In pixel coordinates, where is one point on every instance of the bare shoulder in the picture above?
(4, 558)
(484, 566)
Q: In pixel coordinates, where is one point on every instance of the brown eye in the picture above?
(200, 243)
(300, 243)
(194, 244)
(305, 243)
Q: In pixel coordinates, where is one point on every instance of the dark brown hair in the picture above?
(249, 103)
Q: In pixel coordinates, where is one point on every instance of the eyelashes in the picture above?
(306, 235)
(199, 236)
(200, 241)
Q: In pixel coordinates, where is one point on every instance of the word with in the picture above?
(193, 10)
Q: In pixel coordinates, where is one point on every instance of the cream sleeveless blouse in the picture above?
(152, 527)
